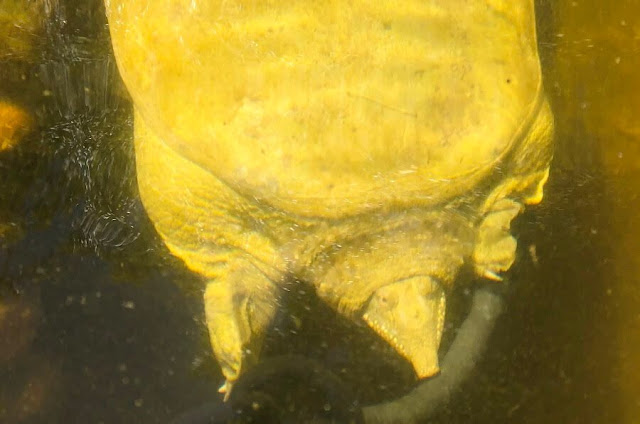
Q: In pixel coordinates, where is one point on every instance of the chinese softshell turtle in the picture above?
(366, 147)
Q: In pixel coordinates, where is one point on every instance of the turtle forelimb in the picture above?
(495, 248)
(239, 307)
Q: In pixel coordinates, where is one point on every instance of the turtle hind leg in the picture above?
(239, 307)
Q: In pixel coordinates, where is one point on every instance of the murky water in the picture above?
(100, 324)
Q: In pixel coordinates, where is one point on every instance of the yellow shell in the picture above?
(334, 108)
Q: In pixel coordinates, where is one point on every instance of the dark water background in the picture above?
(109, 325)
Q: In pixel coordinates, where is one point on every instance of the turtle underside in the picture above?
(369, 148)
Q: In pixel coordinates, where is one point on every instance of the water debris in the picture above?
(534, 255)
(128, 304)
(106, 229)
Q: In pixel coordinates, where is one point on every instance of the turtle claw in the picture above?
(225, 389)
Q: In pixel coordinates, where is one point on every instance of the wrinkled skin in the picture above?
(368, 149)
